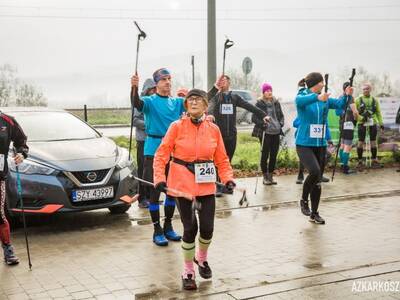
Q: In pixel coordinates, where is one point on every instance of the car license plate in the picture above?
(93, 194)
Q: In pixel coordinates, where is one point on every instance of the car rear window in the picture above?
(53, 126)
(246, 96)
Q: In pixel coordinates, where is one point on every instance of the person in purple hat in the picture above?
(268, 133)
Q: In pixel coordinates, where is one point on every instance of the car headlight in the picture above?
(31, 167)
(123, 158)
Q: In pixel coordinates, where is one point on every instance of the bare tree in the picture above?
(238, 81)
(14, 91)
(28, 95)
(382, 85)
(185, 80)
(7, 82)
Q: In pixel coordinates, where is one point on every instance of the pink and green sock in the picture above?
(201, 255)
(188, 250)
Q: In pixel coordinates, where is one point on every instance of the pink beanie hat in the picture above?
(266, 87)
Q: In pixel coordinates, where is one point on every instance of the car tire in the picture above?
(120, 209)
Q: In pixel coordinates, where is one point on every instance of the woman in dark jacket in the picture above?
(268, 133)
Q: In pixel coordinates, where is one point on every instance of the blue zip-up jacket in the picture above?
(296, 124)
(312, 113)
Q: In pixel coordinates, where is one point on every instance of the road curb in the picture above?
(268, 206)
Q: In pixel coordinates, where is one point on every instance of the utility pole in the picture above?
(211, 44)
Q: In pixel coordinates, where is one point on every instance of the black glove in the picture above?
(230, 185)
(366, 116)
(161, 187)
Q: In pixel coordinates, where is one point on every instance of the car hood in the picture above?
(75, 155)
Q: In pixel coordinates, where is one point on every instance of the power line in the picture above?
(180, 19)
(203, 10)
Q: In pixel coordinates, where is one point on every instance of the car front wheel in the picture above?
(120, 209)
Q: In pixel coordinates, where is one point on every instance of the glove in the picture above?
(161, 187)
(230, 185)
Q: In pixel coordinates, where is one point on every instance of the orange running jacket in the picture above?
(190, 142)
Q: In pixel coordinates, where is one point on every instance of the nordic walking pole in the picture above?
(228, 43)
(351, 79)
(368, 148)
(243, 199)
(195, 205)
(192, 62)
(178, 193)
(19, 193)
(261, 151)
(324, 116)
(141, 37)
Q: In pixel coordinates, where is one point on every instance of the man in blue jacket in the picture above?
(160, 110)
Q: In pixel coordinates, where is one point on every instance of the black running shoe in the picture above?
(376, 165)
(205, 270)
(347, 170)
(9, 255)
(316, 218)
(189, 283)
(271, 179)
(324, 179)
(305, 209)
(299, 180)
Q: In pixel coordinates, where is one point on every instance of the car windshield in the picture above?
(245, 95)
(53, 126)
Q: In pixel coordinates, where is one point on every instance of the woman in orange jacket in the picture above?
(197, 149)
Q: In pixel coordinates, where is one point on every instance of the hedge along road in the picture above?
(288, 110)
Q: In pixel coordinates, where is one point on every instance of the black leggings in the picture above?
(313, 159)
(169, 204)
(189, 218)
(148, 173)
(269, 152)
(144, 193)
(230, 146)
(362, 132)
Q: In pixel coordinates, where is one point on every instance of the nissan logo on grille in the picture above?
(91, 176)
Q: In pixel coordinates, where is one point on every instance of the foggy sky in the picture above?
(81, 50)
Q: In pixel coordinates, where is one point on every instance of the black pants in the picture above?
(269, 152)
(230, 146)
(313, 159)
(143, 189)
(189, 218)
(362, 132)
(148, 174)
(301, 170)
(169, 205)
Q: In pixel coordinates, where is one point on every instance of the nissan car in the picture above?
(70, 167)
